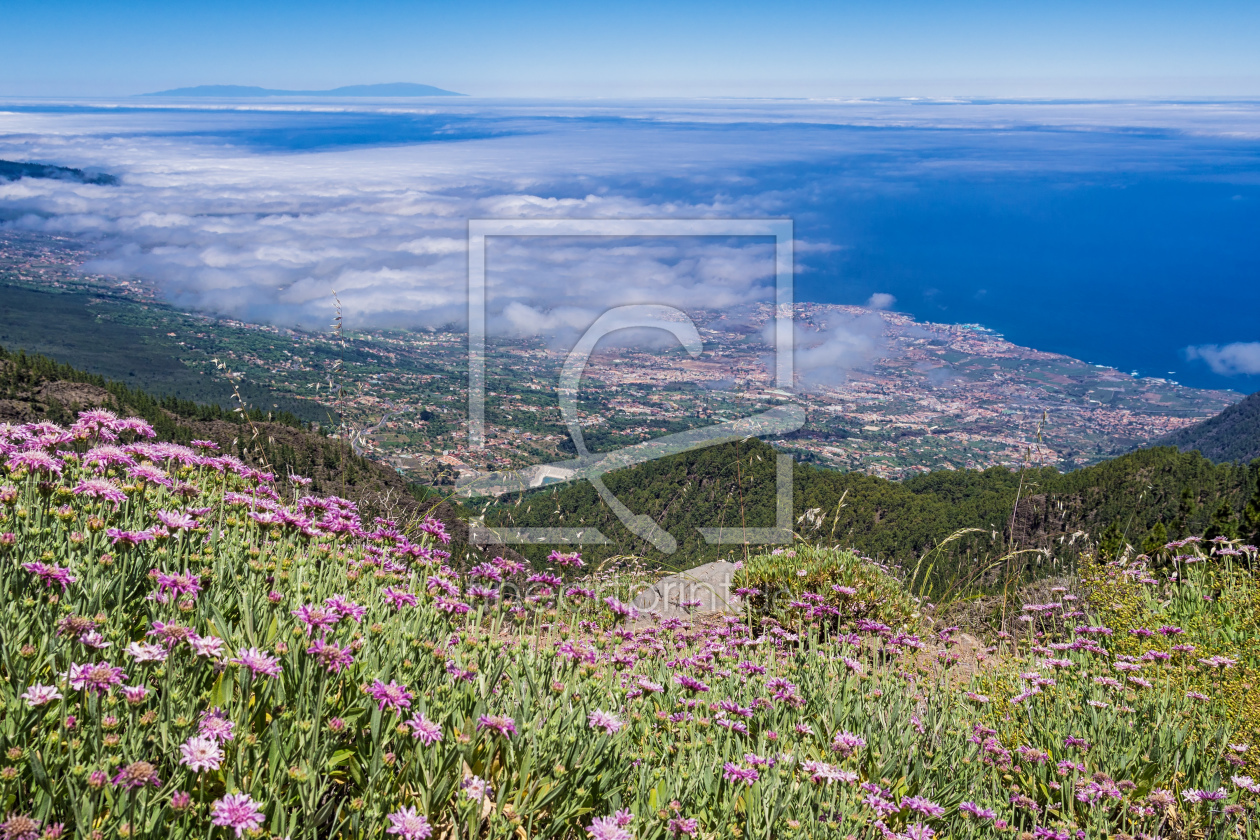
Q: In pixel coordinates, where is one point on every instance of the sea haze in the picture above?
(1122, 233)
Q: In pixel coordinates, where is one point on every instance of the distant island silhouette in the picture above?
(12, 170)
(227, 91)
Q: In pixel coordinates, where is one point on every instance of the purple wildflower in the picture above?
(149, 473)
(106, 455)
(1193, 796)
(214, 724)
(424, 730)
(19, 827)
(313, 616)
(51, 575)
(176, 521)
(926, 807)
(408, 824)
(201, 752)
(735, 774)
(134, 694)
(39, 695)
(821, 772)
(976, 811)
(606, 721)
(690, 683)
(137, 775)
(399, 598)
(574, 559)
(142, 652)
(391, 695)
(620, 608)
(846, 743)
(133, 424)
(237, 811)
(95, 677)
(34, 460)
(333, 658)
(181, 584)
(501, 724)
(101, 488)
(610, 828)
(257, 662)
(127, 539)
(207, 646)
(684, 826)
(346, 609)
(476, 788)
(1246, 783)
(435, 528)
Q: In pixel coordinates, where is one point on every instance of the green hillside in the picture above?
(97, 332)
(1232, 435)
(1127, 499)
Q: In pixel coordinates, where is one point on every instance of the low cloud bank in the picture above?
(1241, 358)
(269, 237)
(230, 211)
(825, 353)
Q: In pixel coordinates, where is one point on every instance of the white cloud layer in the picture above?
(826, 352)
(881, 300)
(226, 218)
(270, 236)
(1238, 358)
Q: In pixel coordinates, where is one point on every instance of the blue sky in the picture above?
(729, 48)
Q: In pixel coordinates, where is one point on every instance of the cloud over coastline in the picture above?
(269, 237)
(1238, 358)
(261, 212)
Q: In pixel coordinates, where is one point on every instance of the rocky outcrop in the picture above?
(676, 596)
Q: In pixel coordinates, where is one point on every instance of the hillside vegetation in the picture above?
(93, 336)
(194, 647)
(36, 388)
(1232, 435)
(1144, 498)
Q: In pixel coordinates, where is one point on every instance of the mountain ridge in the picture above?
(1143, 498)
(1232, 435)
(387, 89)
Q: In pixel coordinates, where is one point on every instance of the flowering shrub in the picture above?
(191, 647)
(810, 584)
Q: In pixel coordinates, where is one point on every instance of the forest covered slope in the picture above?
(1144, 498)
(1232, 435)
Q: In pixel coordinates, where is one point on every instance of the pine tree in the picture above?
(1223, 522)
(1251, 513)
(1111, 542)
(1186, 510)
(1155, 541)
